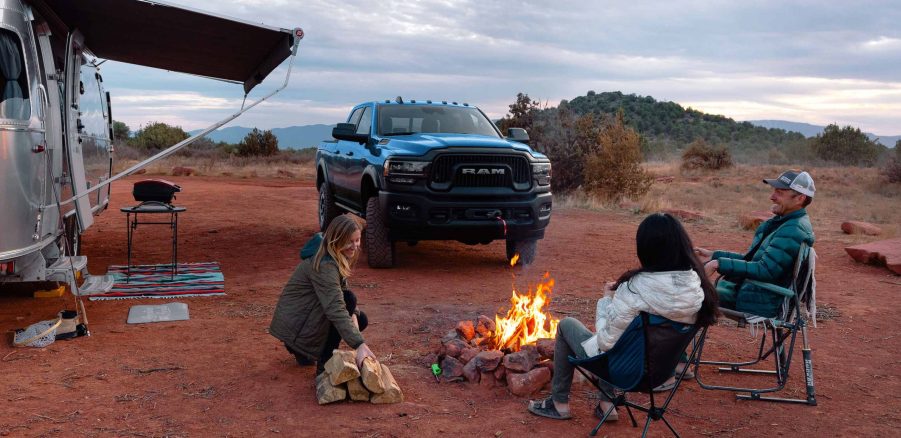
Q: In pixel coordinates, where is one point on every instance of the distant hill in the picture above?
(292, 137)
(667, 126)
(809, 130)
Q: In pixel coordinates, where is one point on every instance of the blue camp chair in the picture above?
(642, 359)
(779, 334)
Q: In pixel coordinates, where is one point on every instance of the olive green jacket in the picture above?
(779, 241)
(309, 304)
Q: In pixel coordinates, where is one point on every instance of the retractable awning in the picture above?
(156, 34)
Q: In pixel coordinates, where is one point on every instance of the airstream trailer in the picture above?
(55, 117)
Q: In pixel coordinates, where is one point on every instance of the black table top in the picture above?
(153, 207)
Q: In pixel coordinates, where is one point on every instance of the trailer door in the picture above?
(73, 127)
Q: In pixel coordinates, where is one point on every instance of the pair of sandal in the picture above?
(670, 384)
(546, 408)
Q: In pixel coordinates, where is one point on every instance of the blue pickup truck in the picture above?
(424, 170)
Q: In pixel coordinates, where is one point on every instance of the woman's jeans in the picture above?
(334, 338)
(570, 335)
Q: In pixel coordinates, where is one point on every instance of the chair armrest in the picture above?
(788, 293)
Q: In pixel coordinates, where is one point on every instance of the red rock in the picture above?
(499, 373)
(685, 215)
(488, 360)
(478, 341)
(523, 384)
(451, 335)
(857, 227)
(883, 252)
(549, 364)
(428, 359)
(521, 361)
(140, 171)
(451, 369)
(468, 354)
(182, 171)
(466, 330)
(487, 380)
(455, 347)
(485, 327)
(752, 219)
(546, 348)
(471, 373)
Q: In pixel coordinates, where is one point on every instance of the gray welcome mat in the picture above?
(158, 313)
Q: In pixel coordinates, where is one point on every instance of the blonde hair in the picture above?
(337, 236)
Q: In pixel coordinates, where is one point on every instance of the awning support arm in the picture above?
(178, 146)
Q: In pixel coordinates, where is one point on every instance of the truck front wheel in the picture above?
(527, 250)
(327, 208)
(379, 247)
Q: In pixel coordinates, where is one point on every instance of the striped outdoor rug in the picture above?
(155, 281)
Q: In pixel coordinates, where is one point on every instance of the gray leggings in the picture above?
(570, 335)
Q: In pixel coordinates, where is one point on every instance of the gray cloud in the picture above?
(808, 61)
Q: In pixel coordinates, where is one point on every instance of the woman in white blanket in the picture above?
(670, 283)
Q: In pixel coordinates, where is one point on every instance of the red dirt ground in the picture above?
(221, 374)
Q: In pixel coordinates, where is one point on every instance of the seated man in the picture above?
(772, 253)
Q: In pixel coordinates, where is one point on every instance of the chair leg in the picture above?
(647, 425)
(603, 419)
(670, 426)
(631, 417)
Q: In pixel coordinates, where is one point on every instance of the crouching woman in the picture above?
(315, 310)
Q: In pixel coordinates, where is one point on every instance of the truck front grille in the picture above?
(453, 170)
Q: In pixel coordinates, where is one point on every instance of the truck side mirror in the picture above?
(518, 134)
(348, 131)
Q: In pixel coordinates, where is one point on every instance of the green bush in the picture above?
(847, 146)
(700, 155)
(258, 143)
(612, 168)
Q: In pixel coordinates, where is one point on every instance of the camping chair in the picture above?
(777, 330)
(642, 359)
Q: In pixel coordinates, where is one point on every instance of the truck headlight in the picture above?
(542, 173)
(404, 171)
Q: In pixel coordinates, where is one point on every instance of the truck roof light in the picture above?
(465, 104)
(428, 101)
(444, 102)
(387, 100)
(413, 101)
(454, 103)
(399, 99)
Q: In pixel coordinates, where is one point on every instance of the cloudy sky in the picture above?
(820, 62)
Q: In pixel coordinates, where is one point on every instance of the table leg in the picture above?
(174, 245)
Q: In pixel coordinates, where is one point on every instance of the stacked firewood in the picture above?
(466, 353)
(373, 382)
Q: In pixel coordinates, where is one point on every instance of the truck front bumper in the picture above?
(415, 216)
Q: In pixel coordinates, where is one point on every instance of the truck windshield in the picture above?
(411, 119)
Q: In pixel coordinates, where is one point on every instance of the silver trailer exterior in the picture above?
(55, 118)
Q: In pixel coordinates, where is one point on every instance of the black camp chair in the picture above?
(642, 359)
(778, 337)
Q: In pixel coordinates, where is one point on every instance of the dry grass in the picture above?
(284, 165)
(843, 193)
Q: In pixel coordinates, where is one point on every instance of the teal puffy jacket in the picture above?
(773, 262)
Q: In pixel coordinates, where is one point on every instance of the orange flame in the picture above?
(526, 320)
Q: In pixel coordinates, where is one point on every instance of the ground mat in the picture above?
(156, 281)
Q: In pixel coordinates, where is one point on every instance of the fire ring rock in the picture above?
(521, 361)
(455, 347)
(523, 384)
(488, 360)
(466, 330)
(451, 369)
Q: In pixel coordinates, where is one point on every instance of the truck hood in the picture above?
(420, 144)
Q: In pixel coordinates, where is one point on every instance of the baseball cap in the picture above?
(800, 182)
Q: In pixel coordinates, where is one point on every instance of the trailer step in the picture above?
(96, 284)
(66, 265)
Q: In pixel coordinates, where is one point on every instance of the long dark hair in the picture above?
(663, 245)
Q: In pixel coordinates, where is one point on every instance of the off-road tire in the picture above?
(327, 208)
(379, 247)
(527, 249)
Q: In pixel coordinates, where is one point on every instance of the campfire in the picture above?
(513, 350)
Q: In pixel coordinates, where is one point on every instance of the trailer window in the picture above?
(14, 103)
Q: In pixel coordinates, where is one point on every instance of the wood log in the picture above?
(392, 393)
(341, 367)
(326, 392)
(356, 390)
(372, 376)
